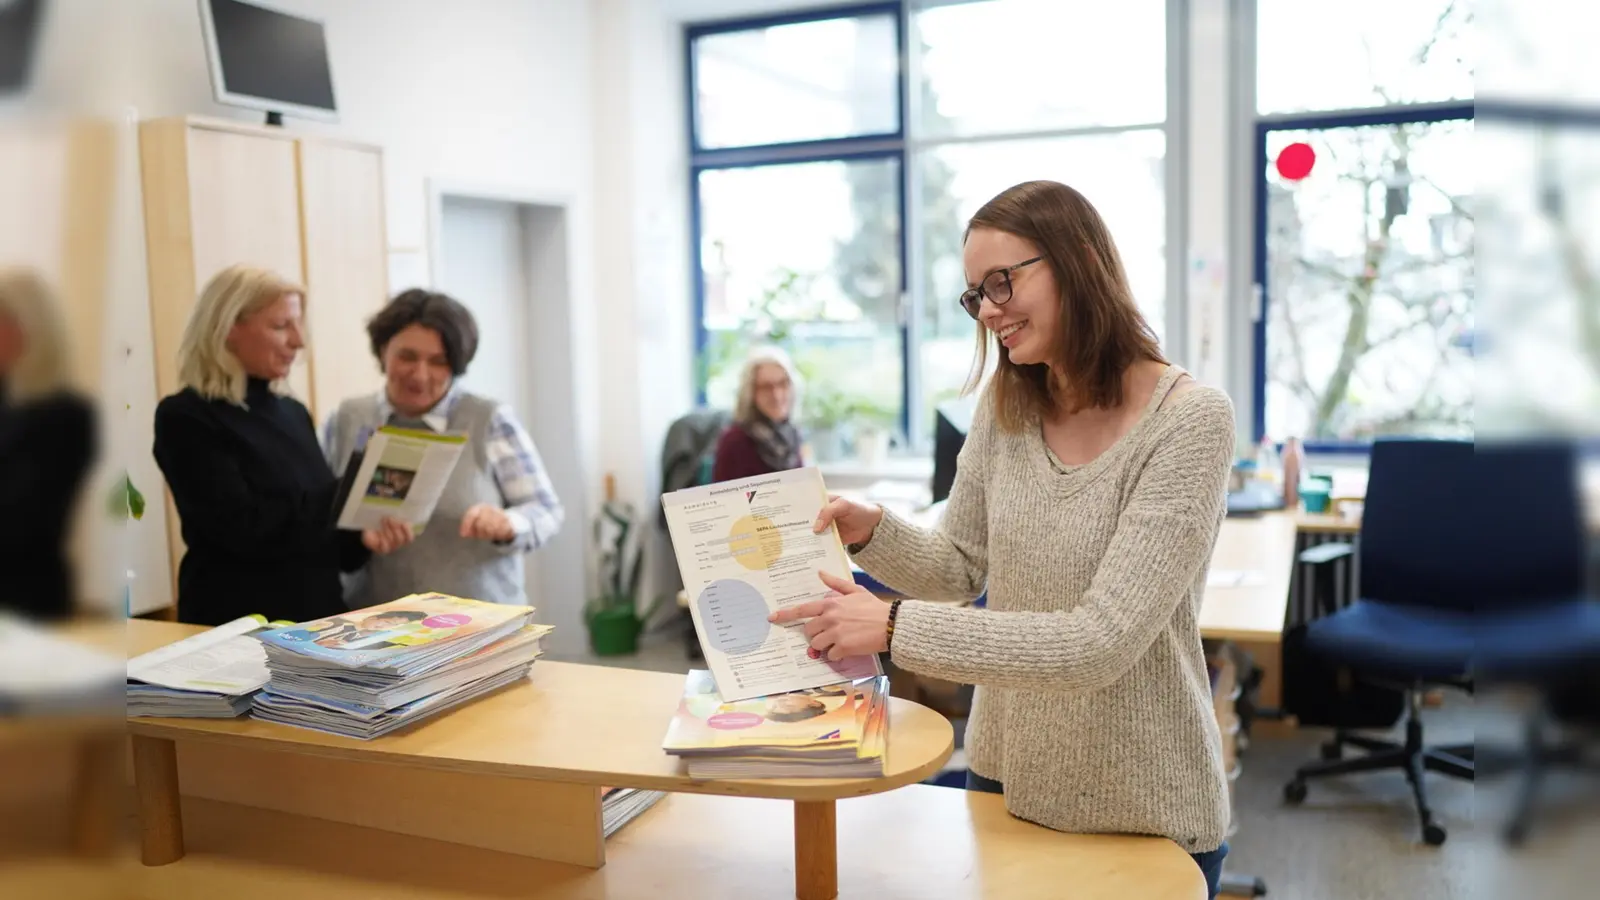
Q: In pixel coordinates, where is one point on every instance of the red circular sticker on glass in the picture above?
(1296, 160)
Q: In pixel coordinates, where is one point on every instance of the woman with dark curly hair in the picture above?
(499, 503)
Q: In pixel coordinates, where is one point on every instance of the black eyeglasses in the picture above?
(996, 286)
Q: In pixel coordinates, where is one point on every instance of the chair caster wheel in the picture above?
(1332, 750)
(1433, 835)
(1295, 791)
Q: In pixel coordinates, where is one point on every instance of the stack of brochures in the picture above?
(368, 672)
(211, 675)
(619, 806)
(833, 731)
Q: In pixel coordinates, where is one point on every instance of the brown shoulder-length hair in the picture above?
(1101, 332)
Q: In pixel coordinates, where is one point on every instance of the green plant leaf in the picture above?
(125, 501)
(135, 499)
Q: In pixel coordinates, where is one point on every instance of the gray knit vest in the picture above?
(440, 559)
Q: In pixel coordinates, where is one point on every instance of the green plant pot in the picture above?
(614, 631)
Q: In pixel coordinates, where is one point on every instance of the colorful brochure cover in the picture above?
(392, 631)
(818, 718)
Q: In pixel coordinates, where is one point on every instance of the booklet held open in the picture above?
(401, 472)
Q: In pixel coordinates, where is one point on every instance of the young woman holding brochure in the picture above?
(1089, 494)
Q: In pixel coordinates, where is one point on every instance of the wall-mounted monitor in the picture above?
(19, 34)
(266, 59)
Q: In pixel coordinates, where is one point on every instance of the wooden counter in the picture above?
(501, 798)
(915, 843)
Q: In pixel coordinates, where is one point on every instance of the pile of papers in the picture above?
(833, 731)
(44, 672)
(368, 672)
(211, 675)
(619, 806)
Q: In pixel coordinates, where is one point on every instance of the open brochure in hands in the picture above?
(746, 548)
(401, 473)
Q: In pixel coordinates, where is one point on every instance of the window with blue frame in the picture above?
(836, 156)
(1365, 231)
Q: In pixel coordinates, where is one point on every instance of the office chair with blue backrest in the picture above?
(1538, 625)
(1423, 562)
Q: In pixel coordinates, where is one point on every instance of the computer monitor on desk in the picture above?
(951, 421)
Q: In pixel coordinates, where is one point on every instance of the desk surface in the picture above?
(1252, 611)
(914, 843)
(570, 723)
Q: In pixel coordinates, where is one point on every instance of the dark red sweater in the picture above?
(737, 456)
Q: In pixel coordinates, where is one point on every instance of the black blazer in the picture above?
(47, 446)
(255, 496)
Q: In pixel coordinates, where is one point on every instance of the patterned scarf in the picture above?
(777, 443)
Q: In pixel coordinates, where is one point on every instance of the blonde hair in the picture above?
(205, 363)
(744, 409)
(45, 366)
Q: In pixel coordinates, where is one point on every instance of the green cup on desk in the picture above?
(1314, 493)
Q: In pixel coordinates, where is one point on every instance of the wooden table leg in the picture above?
(95, 791)
(816, 851)
(155, 776)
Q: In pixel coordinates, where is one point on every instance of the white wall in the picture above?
(1209, 189)
(642, 245)
(490, 91)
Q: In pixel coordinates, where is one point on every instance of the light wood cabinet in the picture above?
(346, 265)
(218, 193)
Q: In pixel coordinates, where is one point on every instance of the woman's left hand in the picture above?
(850, 621)
(389, 536)
(487, 523)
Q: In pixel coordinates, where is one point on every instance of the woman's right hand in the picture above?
(390, 535)
(856, 521)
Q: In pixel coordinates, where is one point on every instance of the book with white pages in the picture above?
(207, 675)
(619, 806)
(351, 692)
(341, 719)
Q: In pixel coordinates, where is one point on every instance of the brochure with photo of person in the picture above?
(400, 472)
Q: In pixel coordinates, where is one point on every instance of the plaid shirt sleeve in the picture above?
(531, 502)
(328, 440)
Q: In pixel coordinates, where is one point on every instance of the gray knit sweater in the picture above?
(1093, 704)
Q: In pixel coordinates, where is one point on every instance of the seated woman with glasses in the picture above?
(762, 438)
(1088, 495)
(498, 504)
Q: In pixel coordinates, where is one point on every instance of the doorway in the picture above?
(507, 261)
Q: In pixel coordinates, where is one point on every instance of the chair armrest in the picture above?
(1321, 589)
(1326, 553)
